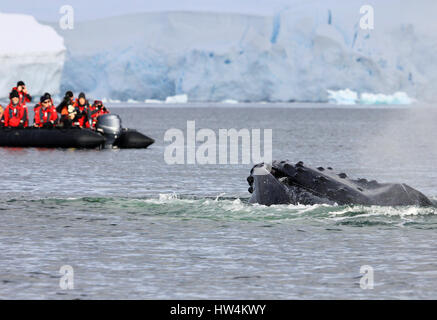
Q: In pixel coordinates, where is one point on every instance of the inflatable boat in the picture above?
(108, 134)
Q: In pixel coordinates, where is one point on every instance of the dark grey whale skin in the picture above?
(287, 183)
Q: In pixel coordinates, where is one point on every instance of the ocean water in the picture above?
(132, 226)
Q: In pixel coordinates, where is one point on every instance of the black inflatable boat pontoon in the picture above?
(50, 138)
(106, 137)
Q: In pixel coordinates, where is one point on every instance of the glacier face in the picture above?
(295, 55)
(31, 52)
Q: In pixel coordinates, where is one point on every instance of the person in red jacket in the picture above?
(14, 114)
(24, 97)
(81, 109)
(38, 105)
(49, 97)
(95, 111)
(45, 113)
(23, 94)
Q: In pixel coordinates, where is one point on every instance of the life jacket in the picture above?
(42, 116)
(14, 116)
(24, 98)
(81, 119)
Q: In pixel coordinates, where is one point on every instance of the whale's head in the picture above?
(283, 182)
(266, 186)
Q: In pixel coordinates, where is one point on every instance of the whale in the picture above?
(283, 182)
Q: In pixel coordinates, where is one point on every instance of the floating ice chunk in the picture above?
(348, 97)
(345, 96)
(132, 101)
(230, 101)
(180, 98)
(379, 98)
(153, 101)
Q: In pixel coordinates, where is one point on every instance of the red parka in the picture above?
(15, 116)
(95, 112)
(43, 116)
(24, 97)
(81, 119)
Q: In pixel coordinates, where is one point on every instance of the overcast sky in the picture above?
(48, 10)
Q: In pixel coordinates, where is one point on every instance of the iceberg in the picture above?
(296, 54)
(396, 98)
(31, 52)
(153, 101)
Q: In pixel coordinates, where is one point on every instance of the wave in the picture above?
(222, 208)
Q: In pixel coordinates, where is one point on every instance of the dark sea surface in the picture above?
(133, 226)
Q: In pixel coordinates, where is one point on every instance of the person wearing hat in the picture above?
(96, 110)
(67, 110)
(45, 113)
(14, 114)
(22, 91)
(24, 97)
(68, 100)
(81, 108)
(48, 96)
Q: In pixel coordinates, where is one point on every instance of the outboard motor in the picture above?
(110, 126)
